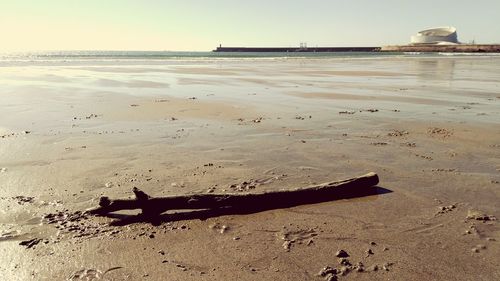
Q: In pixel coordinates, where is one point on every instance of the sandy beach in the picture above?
(73, 131)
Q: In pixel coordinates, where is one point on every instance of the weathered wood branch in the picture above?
(152, 206)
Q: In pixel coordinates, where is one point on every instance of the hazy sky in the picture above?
(203, 24)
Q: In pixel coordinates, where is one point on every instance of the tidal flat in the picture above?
(72, 131)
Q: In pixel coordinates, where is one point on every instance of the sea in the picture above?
(61, 56)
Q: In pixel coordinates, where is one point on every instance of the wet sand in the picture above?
(71, 132)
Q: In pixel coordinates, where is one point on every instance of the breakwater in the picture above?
(297, 49)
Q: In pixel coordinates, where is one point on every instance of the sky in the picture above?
(201, 25)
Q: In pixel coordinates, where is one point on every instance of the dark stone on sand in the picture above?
(344, 270)
(344, 261)
(30, 243)
(387, 265)
(327, 270)
(360, 267)
(341, 254)
(331, 277)
(476, 215)
(21, 200)
(347, 112)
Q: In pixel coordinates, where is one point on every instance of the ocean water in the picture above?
(58, 56)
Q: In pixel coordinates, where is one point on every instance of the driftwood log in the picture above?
(154, 206)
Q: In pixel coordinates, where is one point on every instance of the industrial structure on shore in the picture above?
(438, 35)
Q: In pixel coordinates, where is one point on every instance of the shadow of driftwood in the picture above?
(209, 213)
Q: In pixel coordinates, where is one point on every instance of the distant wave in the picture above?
(130, 56)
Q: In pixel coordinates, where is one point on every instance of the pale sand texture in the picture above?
(428, 126)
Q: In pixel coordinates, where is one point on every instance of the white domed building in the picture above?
(437, 36)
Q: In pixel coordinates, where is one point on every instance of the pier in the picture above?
(296, 49)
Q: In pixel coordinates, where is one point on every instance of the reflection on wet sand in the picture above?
(437, 70)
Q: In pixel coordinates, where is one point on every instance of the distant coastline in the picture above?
(424, 48)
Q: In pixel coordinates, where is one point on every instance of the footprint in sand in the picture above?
(297, 236)
(90, 274)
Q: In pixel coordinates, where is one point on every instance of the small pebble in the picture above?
(344, 270)
(331, 277)
(344, 261)
(224, 228)
(327, 270)
(360, 267)
(341, 254)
